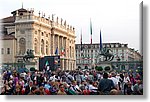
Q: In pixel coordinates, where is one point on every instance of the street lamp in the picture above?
(118, 60)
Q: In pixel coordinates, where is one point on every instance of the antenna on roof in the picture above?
(22, 5)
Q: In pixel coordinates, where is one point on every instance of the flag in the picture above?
(55, 62)
(56, 51)
(46, 64)
(81, 44)
(62, 51)
(91, 30)
(101, 45)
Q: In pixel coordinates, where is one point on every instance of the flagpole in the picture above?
(81, 49)
(101, 46)
(91, 42)
(91, 29)
(56, 51)
(81, 40)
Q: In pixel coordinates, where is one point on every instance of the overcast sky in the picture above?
(117, 19)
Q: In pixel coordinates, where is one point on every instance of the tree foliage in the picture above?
(107, 68)
(99, 68)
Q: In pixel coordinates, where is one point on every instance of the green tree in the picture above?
(96, 67)
(99, 68)
(32, 69)
(107, 68)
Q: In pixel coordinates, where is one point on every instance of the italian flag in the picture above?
(55, 62)
(46, 64)
(62, 51)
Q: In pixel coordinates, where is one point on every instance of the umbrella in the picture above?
(32, 69)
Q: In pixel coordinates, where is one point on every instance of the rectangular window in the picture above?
(2, 50)
(35, 32)
(8, 50)
(46, 35)
(42, 34)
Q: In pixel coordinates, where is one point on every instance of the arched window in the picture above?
(42, 46)
(35, 46)
(22, 46)
(46, 47)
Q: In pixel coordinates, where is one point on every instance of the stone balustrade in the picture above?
(56, 23)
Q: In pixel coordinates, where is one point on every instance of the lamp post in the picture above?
(118, 65)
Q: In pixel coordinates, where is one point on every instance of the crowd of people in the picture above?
(77, 82)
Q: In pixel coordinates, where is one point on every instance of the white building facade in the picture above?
(124, 57)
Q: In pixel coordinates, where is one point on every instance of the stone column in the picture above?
(65, 64)
(74, 59)
(68, 49)
(63, 55)
(62, 64)
(39, 40)
(53, 49)
(58, 45)
(68, 66)
(44, 46)
(68, 41)
(50, 44)
(62, 45)
(65, 47)
(55, 43)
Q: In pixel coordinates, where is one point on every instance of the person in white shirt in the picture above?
(92, 88)
(53, 78)
(74, 87)
(126, 81)
(115, 80)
